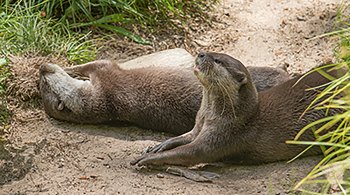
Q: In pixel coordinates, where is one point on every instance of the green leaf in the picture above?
(3, 61)
(125, 32)
(106, 19)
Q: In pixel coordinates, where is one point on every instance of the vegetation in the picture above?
(119, 16)
(63, 27)
(66, 28)
(333, 171)
(4, 73)
(23, 30)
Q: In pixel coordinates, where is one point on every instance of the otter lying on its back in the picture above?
(158, 98)
(236, 123)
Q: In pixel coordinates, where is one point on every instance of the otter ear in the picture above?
(241, 78)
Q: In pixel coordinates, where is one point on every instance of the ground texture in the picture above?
(46, 156)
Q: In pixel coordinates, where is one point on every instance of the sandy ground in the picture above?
(51, 157)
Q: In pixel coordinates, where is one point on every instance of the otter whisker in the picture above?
(223, 95)
(227, 84)
(222, 86)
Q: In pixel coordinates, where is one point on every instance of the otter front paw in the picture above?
(147, 159)
(166, 145)
(169, 144)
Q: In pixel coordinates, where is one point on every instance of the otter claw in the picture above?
(137, 160)
(154, 149)
(169, 144)
(148, 149)
(145, 160)
(158, 148)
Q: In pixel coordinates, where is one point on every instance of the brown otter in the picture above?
(242, 126)
(158, 98)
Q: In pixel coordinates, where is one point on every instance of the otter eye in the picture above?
(217, 61)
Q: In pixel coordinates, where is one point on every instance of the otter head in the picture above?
(216, 69)
(59, 93)
(227, 78)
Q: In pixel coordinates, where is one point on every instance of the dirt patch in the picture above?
(14, 164)
(84, 159)
(95, 159)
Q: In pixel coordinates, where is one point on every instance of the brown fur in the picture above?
(242, 126)
(158, 98)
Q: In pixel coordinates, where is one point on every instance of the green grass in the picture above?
(63, 27)
(24, 31)
(4, 74)
(119, 16)
(66, 27)
(335, 144)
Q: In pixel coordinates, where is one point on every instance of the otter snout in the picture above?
(200, 62)
(49, 69)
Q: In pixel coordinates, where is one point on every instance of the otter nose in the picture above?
(48, 68)
(44, 69)
(201, 55)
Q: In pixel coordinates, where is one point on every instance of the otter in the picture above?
(158, 98)
(242, 126)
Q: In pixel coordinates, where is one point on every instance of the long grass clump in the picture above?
(4, 74)
(332, 173)
(120, 16)
(23, 30)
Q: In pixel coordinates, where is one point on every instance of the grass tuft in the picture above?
(119, 16)
(4, 74)
(23, 30)
(332, 133)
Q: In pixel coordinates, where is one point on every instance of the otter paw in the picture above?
(146, 160)
(168, 145)
(137, 160)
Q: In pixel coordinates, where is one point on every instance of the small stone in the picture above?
(159, 175)
(100, 158)
(106, 165)
(301, 18)
(65, 131)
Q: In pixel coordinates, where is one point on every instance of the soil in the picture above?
(46, 156)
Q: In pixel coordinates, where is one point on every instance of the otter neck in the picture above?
(234, 104)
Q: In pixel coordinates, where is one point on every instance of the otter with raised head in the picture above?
(159, 98)
(236, 123)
